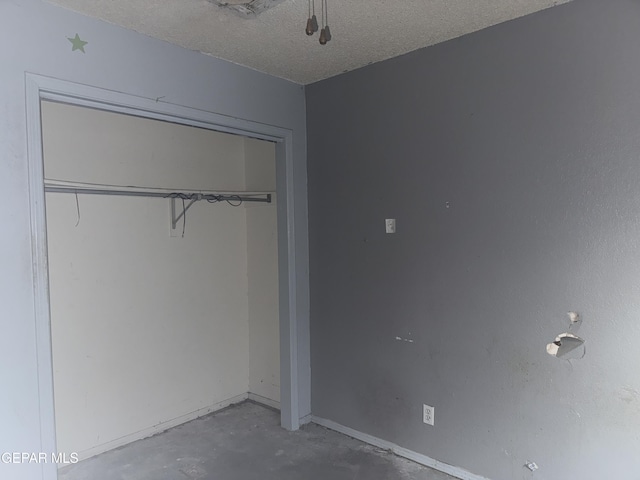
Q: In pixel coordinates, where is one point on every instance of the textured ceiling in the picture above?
(363, 31)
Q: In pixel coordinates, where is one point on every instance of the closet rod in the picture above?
(264, 198)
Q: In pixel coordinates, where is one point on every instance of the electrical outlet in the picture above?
(428, 414)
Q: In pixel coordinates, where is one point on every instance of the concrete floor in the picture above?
(245, 442)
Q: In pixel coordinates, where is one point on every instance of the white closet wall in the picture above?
(148, 330)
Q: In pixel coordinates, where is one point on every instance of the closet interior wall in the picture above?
(149, 330)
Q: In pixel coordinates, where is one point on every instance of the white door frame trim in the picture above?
(40, 87)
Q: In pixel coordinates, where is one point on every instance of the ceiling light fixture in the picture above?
(312, 22)
(247, 8)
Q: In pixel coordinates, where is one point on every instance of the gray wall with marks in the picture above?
(510, 159)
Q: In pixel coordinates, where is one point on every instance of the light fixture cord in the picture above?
(324, 9)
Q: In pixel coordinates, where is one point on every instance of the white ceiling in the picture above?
(363, 31)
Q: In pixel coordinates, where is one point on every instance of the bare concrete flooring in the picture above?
(245, 442)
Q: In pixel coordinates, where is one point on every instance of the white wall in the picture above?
(262, 273)
(127, 62)
(81, 146)
(146, 328)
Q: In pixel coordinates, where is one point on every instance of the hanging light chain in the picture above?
(312, 21)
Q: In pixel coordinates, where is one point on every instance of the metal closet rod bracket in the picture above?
(174, 217)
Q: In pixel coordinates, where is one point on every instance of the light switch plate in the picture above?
(390, 225)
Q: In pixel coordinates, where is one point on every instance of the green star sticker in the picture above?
(77, 43)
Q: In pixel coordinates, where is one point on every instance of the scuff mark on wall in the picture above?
(408, 340)
(630, 395)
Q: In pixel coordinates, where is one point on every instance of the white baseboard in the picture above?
(161, 427)
(275, 405)
(371, 440)
(264, 401)
(306, 419)
(457, 472)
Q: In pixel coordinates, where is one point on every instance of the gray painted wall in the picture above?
(34, 38)
(530, 133)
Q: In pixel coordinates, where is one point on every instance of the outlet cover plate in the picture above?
(428, 414)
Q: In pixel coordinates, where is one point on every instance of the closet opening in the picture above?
(163, 273)
(177, 309)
